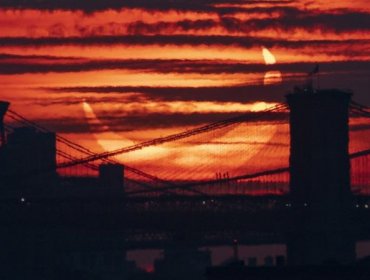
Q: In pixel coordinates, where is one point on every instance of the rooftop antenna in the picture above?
(315, 72)
(3, 109)
(235, 250)
(308, 86)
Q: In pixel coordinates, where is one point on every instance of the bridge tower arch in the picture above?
(319, 178)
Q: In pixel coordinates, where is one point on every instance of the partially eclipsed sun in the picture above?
(185, 157)
(268, 56)
(107, 139)
(271, 77)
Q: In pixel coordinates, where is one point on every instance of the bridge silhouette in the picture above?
(76, 160)
(250, 202)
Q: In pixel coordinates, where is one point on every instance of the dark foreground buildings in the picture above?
(28, 161)
(35, 203)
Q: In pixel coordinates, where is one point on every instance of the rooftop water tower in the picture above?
(3, 109)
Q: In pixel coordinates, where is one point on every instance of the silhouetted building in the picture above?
(182, 263)
(288, 273)
(280, 260)
(45, 253)
(28, 159)
(268, 261)
(319, 178)
(252, 261)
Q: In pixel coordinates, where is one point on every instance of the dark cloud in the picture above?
(295, 19)
(120, 123)
(18, 64)
(91, 6)
(141, 27)
(51, 58)
(137, 40)
(147, 40)
(339, 21)
(355, 80)
(234, 93)
(271, 10)
(288, 19)
(117, 122)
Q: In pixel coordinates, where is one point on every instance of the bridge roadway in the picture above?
(158, 222)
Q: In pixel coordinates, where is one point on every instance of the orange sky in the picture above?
(145, 72)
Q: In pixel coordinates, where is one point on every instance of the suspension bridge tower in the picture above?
(3, 109)
(319, 178)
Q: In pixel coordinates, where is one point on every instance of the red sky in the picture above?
(146, 69)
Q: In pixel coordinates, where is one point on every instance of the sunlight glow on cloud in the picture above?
(272, 77)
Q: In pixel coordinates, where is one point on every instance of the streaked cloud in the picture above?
(150, 68)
